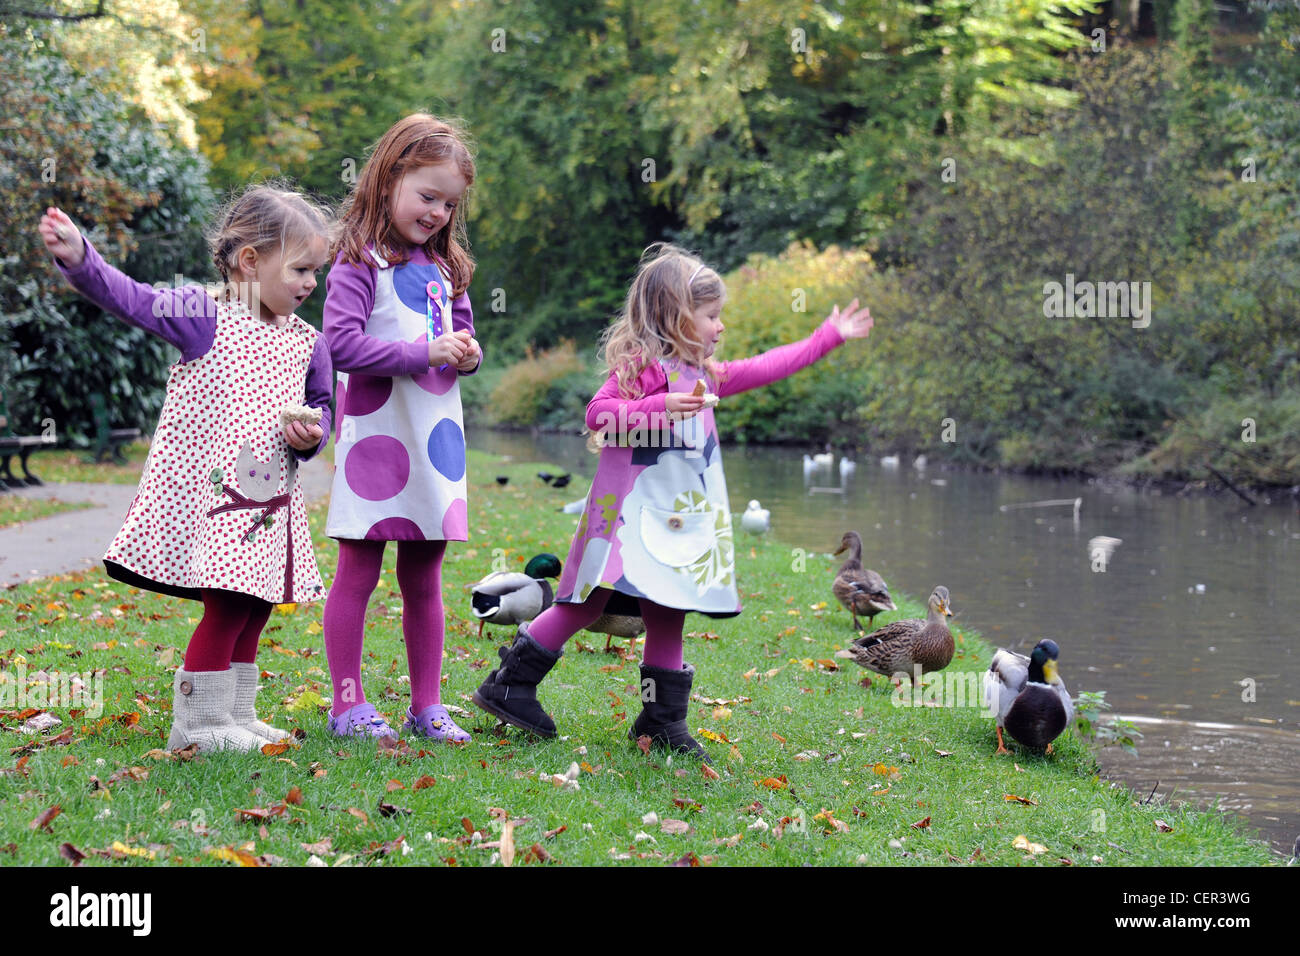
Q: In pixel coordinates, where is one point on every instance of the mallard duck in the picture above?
(617, 625)
(861, 591)
(902, 646)
(756, 518)
(513, 597)
(1031, 700)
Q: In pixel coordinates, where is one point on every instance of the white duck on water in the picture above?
(756, 518)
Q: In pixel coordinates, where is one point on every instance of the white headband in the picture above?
(694, 274)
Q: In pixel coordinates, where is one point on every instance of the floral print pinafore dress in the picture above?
(657, 522)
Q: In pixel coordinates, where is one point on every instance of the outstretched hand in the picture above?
(62, 239)
(853, 322)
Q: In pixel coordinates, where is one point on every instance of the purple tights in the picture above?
(419, 576)
(663, 627)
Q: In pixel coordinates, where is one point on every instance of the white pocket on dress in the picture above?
(676, 538)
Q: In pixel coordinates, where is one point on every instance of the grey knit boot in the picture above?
(201, 706)
(244, 713)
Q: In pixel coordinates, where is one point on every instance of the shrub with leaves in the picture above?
(138, 198)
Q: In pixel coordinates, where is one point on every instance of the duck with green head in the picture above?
(511, 598)
(1028, 696)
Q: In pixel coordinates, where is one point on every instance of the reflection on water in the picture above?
(1183, 610)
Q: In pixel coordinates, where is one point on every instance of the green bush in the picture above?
(141, 201)
(549, 389)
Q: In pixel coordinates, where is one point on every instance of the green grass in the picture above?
(63, 465)
(875, 767)
(16, 508)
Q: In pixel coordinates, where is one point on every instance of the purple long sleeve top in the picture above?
(186, 317)
(733, 377)
(349, 298)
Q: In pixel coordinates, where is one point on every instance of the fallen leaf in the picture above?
(944, 753)
(232, 855)
(71, 853)
(294, 796)
(644, 742)
(537, 854)
(773, 783)
(120, 850)
(423, 782)
(674, 826)
(709, 772)
(552, 834)
(393, 785)
(1025, 800)
(921, 824)
(1163, 827)
(42, 822)
(260, 813)
(508, 843)
(320, 847)
(275, 749)
(389, 810)
(1021, 842)
(360, 815)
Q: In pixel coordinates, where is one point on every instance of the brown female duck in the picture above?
(901, 646)
(860, 590)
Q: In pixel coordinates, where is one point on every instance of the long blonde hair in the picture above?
(415, 141)
(655, 323)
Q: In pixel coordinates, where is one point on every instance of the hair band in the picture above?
(694, 274)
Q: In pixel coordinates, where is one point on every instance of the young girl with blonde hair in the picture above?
(219, 515)
(655, 536)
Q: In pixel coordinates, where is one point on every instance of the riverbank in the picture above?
(1211, 488)
(841, 772)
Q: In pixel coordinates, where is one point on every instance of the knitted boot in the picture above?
(201, 705)
(510, 691)
(244, 713)
(666, 699)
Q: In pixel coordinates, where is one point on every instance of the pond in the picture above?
(1190, 629)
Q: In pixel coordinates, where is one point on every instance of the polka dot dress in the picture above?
(400, 447)
(199, 518)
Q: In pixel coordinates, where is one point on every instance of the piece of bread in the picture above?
(701, 391)
(299, 413)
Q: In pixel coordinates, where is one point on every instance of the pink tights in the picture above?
(663, 627)
(419, 576)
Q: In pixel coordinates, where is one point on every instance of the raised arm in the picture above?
(778, 363)
(349, 297)
(185, 317)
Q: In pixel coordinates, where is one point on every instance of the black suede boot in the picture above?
(666, 699)
(510, 691)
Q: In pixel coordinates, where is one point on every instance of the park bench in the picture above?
(21, 445)
(109, 440)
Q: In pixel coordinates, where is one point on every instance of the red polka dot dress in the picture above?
(219, 503)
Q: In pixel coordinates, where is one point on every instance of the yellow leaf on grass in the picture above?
(121, 849)
(1021, 842)
(308, 700)
(314, 628)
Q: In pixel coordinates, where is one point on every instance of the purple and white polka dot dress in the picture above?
(400, 446)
